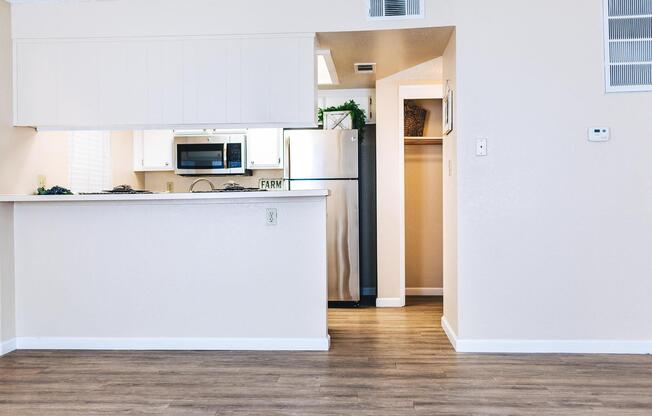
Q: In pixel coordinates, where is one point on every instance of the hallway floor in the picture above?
(382, 362)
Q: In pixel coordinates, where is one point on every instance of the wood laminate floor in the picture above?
(382, 362)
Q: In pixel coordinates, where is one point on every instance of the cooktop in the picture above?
(119, 190)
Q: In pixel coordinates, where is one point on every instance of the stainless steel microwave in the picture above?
(210, 155)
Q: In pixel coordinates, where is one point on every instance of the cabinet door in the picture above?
(165, 83)
(79, 84)
(307, 79)
(206, 80)
(154, 150)
(37, 72)
(278, 81)
(158, 149)
(284, 83)
(265, 149)
(256, 64)
(123, 83)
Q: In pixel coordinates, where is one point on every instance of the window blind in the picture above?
(90, 161)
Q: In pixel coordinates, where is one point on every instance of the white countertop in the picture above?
(164, 196)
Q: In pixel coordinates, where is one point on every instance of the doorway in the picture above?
(421, 125)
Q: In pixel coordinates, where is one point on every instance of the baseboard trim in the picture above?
(424, 291)
(390, 303)
(448, 330)
(7, 347)
(554, 346)
(513, 346)
(173, 344)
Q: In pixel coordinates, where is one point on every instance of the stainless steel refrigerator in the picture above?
(328, 159)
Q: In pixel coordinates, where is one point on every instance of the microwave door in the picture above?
(200, 158)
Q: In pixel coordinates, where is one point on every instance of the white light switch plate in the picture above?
(481, 147)
(599, 134)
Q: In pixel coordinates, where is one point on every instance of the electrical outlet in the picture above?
(271, 216)
(481, 147)
(169, 187)
(41, 181)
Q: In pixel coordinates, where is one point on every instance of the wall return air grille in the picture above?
(628, 45)
(393, 9)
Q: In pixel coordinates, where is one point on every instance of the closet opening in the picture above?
(423, 164)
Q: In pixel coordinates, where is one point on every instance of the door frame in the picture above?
(409, 92)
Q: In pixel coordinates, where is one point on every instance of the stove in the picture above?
(119, 190)
(117, 193)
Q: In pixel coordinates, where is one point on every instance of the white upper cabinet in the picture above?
(165, 97)
(206, 70)
(154, 150)
(264, 149)
(224, 81)
(78, 84)
(123, 94)
(278, 80)
(36, 84)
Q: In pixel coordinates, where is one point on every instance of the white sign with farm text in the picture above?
(272, 184)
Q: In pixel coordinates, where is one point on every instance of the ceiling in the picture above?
(392, 51)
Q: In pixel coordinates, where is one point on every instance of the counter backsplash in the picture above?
(157, 181)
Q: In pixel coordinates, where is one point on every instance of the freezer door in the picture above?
(321, 154)
(342, 235)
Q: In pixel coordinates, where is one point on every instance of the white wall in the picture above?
(7, 304)
(28, 156)
(200, 17)
(122, 161)
(553, 231)
(449, 186)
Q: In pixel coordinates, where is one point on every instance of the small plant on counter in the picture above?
(55, 190)
(358, 114)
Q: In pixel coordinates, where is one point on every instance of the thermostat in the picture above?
(599, 134)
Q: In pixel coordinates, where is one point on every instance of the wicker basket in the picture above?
(415, 120)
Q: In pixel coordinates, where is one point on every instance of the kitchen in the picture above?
(223, 149)
(206, 131)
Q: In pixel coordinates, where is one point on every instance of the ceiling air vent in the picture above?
(364, 68)
(383, 9)
(628, 45)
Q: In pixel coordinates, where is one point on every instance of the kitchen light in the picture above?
(326, 72)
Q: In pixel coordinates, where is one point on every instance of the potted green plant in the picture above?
(55, 190)
(358, 115)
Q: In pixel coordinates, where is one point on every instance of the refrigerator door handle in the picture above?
(288, 161)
